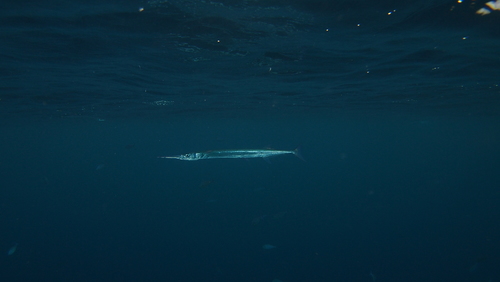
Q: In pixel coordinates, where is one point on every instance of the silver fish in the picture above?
(233, 154)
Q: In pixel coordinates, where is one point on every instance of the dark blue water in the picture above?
(395, 105)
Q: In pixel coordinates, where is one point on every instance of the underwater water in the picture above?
(393, 104)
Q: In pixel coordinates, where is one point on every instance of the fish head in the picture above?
(192, 156)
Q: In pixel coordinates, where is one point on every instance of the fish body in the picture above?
(233, 154)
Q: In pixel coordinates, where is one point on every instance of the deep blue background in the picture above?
(397, 119)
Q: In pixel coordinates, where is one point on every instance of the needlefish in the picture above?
(233, 154)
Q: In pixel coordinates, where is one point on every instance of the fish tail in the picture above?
(298, 153)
